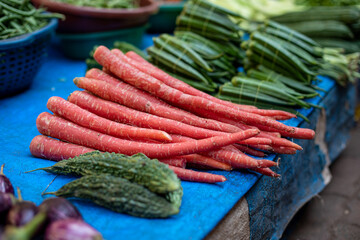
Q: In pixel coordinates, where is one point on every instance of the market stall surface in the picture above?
(204, 205)
(335, 212)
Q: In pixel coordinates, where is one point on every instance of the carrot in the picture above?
(145, 82)
(248, 150)
(284, 150)
(119, 113)
(256, 140)
(97, 74)
(141, 64)
(206, 161)
(300, 133)
(174, 161)
(132, 97)
(273, 136)
(194, 176)
(262, 147)
(266, 172)
(84, 118)
(64, 130)
(230, 155)
(264, 163)
(52, 149)
(227, 155)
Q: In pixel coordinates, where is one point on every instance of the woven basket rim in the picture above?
(29, 37)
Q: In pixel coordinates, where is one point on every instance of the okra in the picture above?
(255, 57)
(299, 86)
(272, 56)
(270, 89)
(199, 31)
(291, 32)
(326, 29)
(321, 13)
(216, 8)
(250, 94)
(298, 51)
(193, 37)
(207, 15)
(199, 85)
(183, 47)
(261, 38)
(181, 55)
(175, 64)
(205, 27)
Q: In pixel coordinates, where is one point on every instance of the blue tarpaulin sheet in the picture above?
(204, 205)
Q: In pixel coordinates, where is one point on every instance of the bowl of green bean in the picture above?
(89, 16)
(25, 34)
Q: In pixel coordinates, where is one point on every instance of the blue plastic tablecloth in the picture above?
(204, 205)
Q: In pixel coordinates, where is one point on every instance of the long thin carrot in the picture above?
(266, 172)
(174, 161)
(119, 113)
(248, 150)
(141, 64)
(273, 136)
(284, 150)
(111, 93)
(62, 129)
(135, 98)
(230, 155)
(206, 161)
(300, 133)
(257, 140)
(84, 118)
(52, 149)
(145, 82)
(194, 176)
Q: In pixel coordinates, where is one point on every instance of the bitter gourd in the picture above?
(138, 168)
(119, 195)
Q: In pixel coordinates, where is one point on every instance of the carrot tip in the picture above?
(76, 80)
(278, 162)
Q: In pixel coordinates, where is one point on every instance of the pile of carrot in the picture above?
(132, 106)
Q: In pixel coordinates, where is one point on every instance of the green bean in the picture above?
(21, 17)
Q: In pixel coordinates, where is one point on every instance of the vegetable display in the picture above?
(23, 220)
(21, 17)
(198, 124)
(142, 121)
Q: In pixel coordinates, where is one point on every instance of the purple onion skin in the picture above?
(57, 208)
(21, 213)
(5, 185)
(71, 229)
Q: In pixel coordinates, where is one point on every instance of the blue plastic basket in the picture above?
(21, 58)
